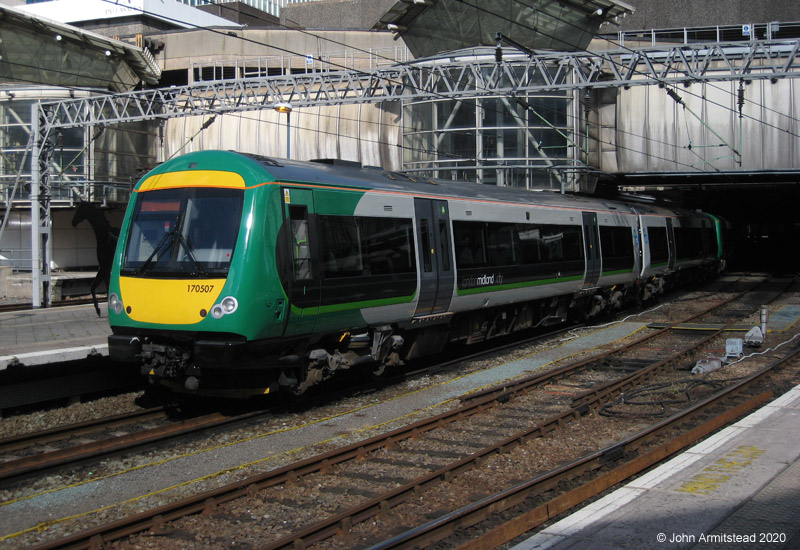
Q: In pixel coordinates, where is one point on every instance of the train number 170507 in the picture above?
(205, 289)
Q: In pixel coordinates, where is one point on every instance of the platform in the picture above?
(52, 335)
(738, 489)
(64, 284)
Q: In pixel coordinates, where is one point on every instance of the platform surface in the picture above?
(52, 335)
(738, 489)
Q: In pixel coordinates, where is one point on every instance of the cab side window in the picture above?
(301, 251)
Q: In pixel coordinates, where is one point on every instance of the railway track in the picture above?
(39, 459)
(616, 356)
(554, 492)
(60, 433)
(31, 453)
(328, 469)
(38, 462)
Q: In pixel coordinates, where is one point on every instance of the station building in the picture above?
(504, 126)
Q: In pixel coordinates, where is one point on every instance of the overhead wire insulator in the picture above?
(208, 122)
(498, 54)
(740, 97)
(674, 95)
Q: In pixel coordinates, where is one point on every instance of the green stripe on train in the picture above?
(513, 286)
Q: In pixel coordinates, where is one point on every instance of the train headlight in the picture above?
(217, 312)
(114, 303)
(228, 305)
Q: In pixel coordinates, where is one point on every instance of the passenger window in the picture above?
(445, 245)
(659, 246)
(365, 246)
(426, 247)
(301, 251)
(616, 244)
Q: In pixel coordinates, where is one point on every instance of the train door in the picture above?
(671, 243)
(435, 257)
(304, 278)
(591, 243)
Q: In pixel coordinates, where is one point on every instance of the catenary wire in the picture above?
(644, 153)
(623, 47)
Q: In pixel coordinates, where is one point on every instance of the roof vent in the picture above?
(338, 162)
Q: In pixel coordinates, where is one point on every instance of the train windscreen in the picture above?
(182, 232)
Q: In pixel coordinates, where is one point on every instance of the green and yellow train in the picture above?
(238, 275)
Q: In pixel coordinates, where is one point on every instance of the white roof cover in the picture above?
(172, 11)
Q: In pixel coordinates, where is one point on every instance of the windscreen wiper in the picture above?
(166, 238)
(185, 243)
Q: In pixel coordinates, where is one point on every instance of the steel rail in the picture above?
(522, 384)
(618, 386)
(40, 462)
(93, 450)
(153, 519)
(71, 430)
(474, 513)
(344, 521)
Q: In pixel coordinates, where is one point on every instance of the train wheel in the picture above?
(154, 396)
(373, 372)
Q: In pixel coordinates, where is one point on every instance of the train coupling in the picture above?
(170, 363)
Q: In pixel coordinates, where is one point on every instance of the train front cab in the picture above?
(678, 248)
(174, 307)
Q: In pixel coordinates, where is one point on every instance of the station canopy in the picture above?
(34, 50)
(429, 27)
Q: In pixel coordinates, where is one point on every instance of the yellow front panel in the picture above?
(193, 178)
(169, 301)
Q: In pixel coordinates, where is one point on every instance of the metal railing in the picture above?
(288, 64)
(720, 33)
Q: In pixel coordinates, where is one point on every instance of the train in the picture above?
(237, 275)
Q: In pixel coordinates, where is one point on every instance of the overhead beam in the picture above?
(681, 64)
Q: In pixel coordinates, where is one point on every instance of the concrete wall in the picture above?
(241, 13)
(653, 132)
(335, 14)
(649, 14)
(365, 133)
(182, 49)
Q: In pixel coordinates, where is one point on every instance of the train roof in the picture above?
(338, 174)
(351, 175)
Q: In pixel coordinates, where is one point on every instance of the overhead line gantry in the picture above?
(445, 77)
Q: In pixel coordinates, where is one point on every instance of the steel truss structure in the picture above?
(453, 76)
(437, 78)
